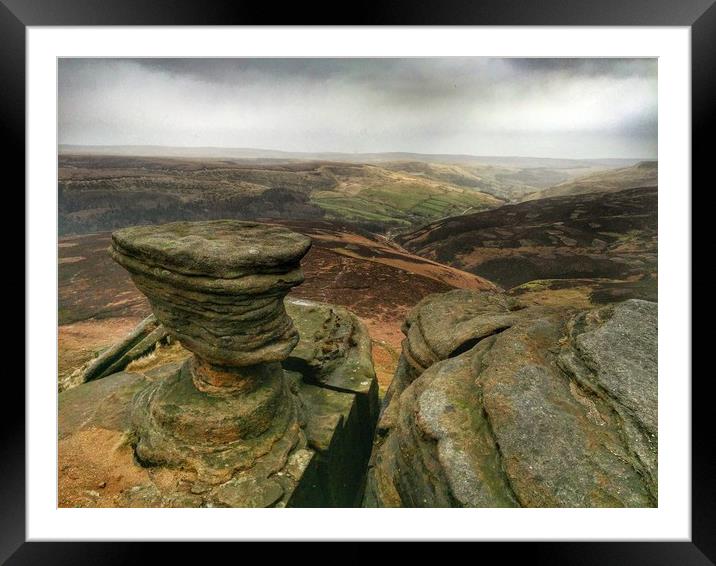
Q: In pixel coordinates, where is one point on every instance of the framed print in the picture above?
(422, 276)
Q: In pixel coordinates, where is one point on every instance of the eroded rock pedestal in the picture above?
(495, 404)
(241, 421)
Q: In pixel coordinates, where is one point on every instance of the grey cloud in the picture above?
(441, 105)
(603, 66)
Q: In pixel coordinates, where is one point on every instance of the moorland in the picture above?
(388, 229)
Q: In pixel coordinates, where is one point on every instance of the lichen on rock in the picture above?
(496, 404)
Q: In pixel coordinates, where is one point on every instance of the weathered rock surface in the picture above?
(334, 352)
(228, 425)
(495, 404)
(96, 441)
(218, 286)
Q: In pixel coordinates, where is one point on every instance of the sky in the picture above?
(562, 108)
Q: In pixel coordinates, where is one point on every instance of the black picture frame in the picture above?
(699, 15)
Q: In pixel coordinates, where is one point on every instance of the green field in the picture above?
(401, 203)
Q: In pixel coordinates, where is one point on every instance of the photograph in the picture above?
(357, 282)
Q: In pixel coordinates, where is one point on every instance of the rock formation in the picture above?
(497, 404)
(219, 288)
(231, 425)
(273, 401)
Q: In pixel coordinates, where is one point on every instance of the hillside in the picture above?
(98, 193)
(598, 240)
(642, 174)
(509, 181)
(388, 192)
(377, 280)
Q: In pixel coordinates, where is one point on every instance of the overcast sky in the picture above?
(578, 108)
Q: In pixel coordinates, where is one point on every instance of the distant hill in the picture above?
(607, 235)
(509, 182)
(106, 191)
(644, 173)
(99, 193)
(262, 154)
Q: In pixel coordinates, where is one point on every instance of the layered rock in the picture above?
(218, 287)
(230, 425)
(498, 405)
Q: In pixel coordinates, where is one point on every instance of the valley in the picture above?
(643, 174)
(387, 231)
(387, 193)
(105, 193)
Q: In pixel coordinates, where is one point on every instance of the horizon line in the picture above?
(356, 153)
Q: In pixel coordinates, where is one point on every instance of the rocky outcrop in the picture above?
(496, 404)
(229, 425)
(338, 392)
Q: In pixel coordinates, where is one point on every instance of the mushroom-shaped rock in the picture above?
(218, 287)
(269, 403)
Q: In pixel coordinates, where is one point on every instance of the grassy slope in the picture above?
(399, 198)
(507, 182)
(643, 174)
(103, 192)
(606, 235)
(100, 193)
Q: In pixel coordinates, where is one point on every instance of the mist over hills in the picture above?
(644, 173)
(257, 153)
